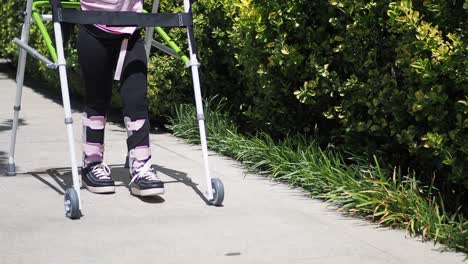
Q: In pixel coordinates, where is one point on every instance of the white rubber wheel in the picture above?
(218, 192)
(72, 204)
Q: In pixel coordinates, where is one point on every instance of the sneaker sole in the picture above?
(104, 189)
(147, 192)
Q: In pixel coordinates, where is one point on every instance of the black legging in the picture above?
(98, 52)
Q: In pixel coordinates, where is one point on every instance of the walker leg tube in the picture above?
(150, 30)
(201, 127)
(11, 170)
(199, 104)
(66, 106)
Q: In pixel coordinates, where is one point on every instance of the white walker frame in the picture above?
(214, 190)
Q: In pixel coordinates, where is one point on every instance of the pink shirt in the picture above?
(113, 5)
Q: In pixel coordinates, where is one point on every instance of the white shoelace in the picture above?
(101, 171)
(145, 171)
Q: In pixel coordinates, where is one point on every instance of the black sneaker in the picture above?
(97, 179)
(145, 182)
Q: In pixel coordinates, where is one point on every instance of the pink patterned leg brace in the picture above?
(140, 155)
(92, 152)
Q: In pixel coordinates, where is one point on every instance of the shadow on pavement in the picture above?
(181, 177)
(62, 179)
(3, 163)
(6, 124)
(6, 69)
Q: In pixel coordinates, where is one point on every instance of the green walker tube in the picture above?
(171, 44)
(41, 26)
(45, 35)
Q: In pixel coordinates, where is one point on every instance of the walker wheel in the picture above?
(72, 204)
(218, 192)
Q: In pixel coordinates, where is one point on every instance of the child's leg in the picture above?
(95, 56)
(133, 91)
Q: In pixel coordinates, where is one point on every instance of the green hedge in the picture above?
(385, 77)
(380, 77)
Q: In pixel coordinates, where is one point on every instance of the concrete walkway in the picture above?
(261, 221)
